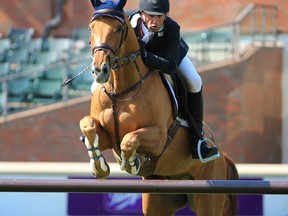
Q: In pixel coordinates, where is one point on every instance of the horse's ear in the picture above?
(96, 3)
(120, 4)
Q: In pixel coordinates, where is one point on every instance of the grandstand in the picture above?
(33, 74)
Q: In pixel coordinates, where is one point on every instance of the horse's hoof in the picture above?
(82, 139)
(100, 168)
(123, 162)
(135, 166)
(123, 165)
(134, 163)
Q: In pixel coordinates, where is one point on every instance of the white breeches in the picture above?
(190, 76)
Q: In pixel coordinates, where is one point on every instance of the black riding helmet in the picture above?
(158, 6)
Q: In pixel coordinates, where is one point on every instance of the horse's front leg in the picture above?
(148, 140)
(98, 163)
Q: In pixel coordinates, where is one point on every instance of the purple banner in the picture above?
(131, 204)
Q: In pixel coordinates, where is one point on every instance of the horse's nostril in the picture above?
(105, 69)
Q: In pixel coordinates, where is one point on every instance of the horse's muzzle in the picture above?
(102, 74)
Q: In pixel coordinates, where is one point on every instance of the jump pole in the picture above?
(144, 186)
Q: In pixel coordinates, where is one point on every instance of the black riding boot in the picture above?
(195, 106)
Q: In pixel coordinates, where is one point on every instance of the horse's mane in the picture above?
(131, 33)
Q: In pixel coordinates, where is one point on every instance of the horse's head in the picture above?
(108, 32)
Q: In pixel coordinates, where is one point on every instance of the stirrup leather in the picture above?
(213, 157)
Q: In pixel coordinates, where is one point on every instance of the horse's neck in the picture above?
(130, 74)
(124, 77)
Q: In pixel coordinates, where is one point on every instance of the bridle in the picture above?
(104, 47)
(116, 62)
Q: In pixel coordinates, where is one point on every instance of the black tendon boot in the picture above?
(195, 106)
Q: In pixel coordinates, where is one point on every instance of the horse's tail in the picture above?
(231, 204)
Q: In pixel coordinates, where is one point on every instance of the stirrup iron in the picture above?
(213, 157)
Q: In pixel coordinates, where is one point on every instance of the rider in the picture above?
(162, 49)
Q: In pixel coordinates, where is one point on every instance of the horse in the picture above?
(132, 114)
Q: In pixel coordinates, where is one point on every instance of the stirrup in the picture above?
(213, 157)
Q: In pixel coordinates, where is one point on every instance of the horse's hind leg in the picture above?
(98, 163)
(209, 204)
(162, 204)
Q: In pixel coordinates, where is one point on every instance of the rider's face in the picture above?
(153, 22)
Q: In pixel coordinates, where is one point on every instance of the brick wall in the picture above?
(47, 135)
(191, 14)
(242, 107)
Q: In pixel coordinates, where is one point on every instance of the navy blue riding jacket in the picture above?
(164, 51)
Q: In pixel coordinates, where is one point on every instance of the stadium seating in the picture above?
(39, 73)
(4, 68)
(1, 102)
(18, 89)
(84, 81)
(5, 44)
(81, 34)
(55, 74)
(45, 91)
(17, 36)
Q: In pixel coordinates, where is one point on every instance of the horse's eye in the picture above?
(120, 29)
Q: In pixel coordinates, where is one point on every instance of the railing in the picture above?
(84, 169)
(229, 40)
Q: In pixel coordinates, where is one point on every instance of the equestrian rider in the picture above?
(162, 49)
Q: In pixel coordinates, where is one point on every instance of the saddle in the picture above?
(178, 94)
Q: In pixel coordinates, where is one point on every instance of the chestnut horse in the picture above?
(132, 114)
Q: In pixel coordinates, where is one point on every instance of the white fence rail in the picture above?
(83, 169)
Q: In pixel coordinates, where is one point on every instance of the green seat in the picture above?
(55, 74)
(46, 57)
(59, 44)
(80, 34)
(84, 81)
(17, 36)
(5, 45)
(20, 34)
(17, 56)
(1, 102)
(34, 67)
(18, 89)
(4, 69)
(80, 37)
(46, 91)
(31, 45)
